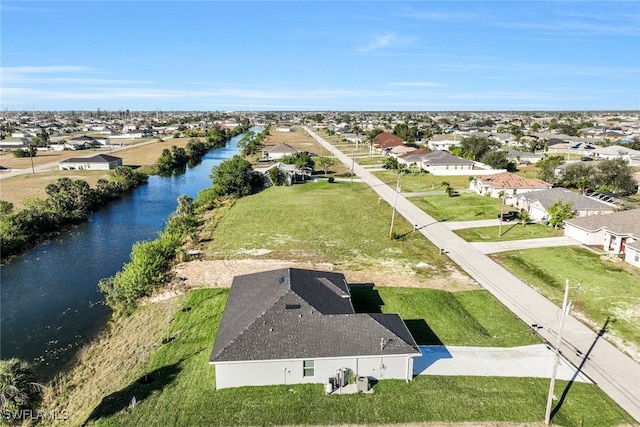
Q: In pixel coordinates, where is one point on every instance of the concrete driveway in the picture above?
(531, 361)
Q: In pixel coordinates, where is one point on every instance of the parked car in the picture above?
(509, 216)
(586, 159)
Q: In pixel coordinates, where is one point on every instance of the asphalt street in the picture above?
(617, 374)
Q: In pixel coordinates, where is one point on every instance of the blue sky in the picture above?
(328, 55)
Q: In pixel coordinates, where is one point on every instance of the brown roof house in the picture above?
(385, 141)
(616, 232)
(295, 326)
(511, 184)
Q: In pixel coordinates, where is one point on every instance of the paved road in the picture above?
(615, 373)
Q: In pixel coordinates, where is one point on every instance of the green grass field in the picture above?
(465, 207)
(608, 291)
(417, 182)
(510, 231)
(183, 393)
(322, 222)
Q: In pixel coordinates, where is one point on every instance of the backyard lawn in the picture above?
(510, 231)
(420, 182)
(182, 392)
(608, 290)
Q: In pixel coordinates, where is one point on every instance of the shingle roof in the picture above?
(386, 140)
(441, 157)
(510, 180)
(625, 222)
(283, 148)
(100, 158)
(295, 313)
(552, 195)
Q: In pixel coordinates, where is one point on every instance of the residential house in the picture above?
(632, 253)
(444, 141)
(413, 157)
(386, 141)
(523, 157)
(99, 162)
(14, 143)
(279, 151)
(507, 182)
(536, 203)
(443, 160)
(293, 326)
(400, 150)
(283, 128)
(619, 152)
(612, 231)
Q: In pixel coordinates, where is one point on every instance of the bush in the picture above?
(331, 180)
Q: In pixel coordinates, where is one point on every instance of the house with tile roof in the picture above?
(295, 326)
(535, 203)
(510, 183)
(614, 232)
(99, 162)
(386, 141)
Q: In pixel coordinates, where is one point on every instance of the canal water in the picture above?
(50, 305)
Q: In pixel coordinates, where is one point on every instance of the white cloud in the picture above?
(379, 42)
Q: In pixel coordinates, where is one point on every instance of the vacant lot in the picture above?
(183, 379)
(608, 290)
(464, 207)
(510, 231)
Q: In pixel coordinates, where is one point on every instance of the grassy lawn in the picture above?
(510, 231)
(183, 392)
(471, 318)
(319, 221)
(465, 207)
(608, 291)
(417, 182)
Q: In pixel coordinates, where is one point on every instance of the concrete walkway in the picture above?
(515, 245)
(617, 374)
(533, 361)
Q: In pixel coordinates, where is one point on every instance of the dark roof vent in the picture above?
(291, 306)
(281, 280)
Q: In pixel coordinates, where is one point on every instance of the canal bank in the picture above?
(50, 302)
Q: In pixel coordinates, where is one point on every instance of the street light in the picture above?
(565, 312)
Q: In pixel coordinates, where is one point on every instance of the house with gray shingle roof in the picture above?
(535, 203)
(279, 151)
(614, 232)
(98, 162)
(294, 326)
(443, 160)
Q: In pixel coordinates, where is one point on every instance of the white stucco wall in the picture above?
(632, 256)
(271, 372)
(583, 236)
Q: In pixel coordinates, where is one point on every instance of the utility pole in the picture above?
(393, 211)
(353, 164)
(565, 312)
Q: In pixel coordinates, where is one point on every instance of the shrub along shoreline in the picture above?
(71, 202)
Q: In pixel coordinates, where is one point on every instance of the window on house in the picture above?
(636, 258)
(308, 368)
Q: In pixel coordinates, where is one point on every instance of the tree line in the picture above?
(68, 202)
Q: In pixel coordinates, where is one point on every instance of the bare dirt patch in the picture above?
(220, 273)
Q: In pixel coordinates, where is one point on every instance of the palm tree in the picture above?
(18, 386)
